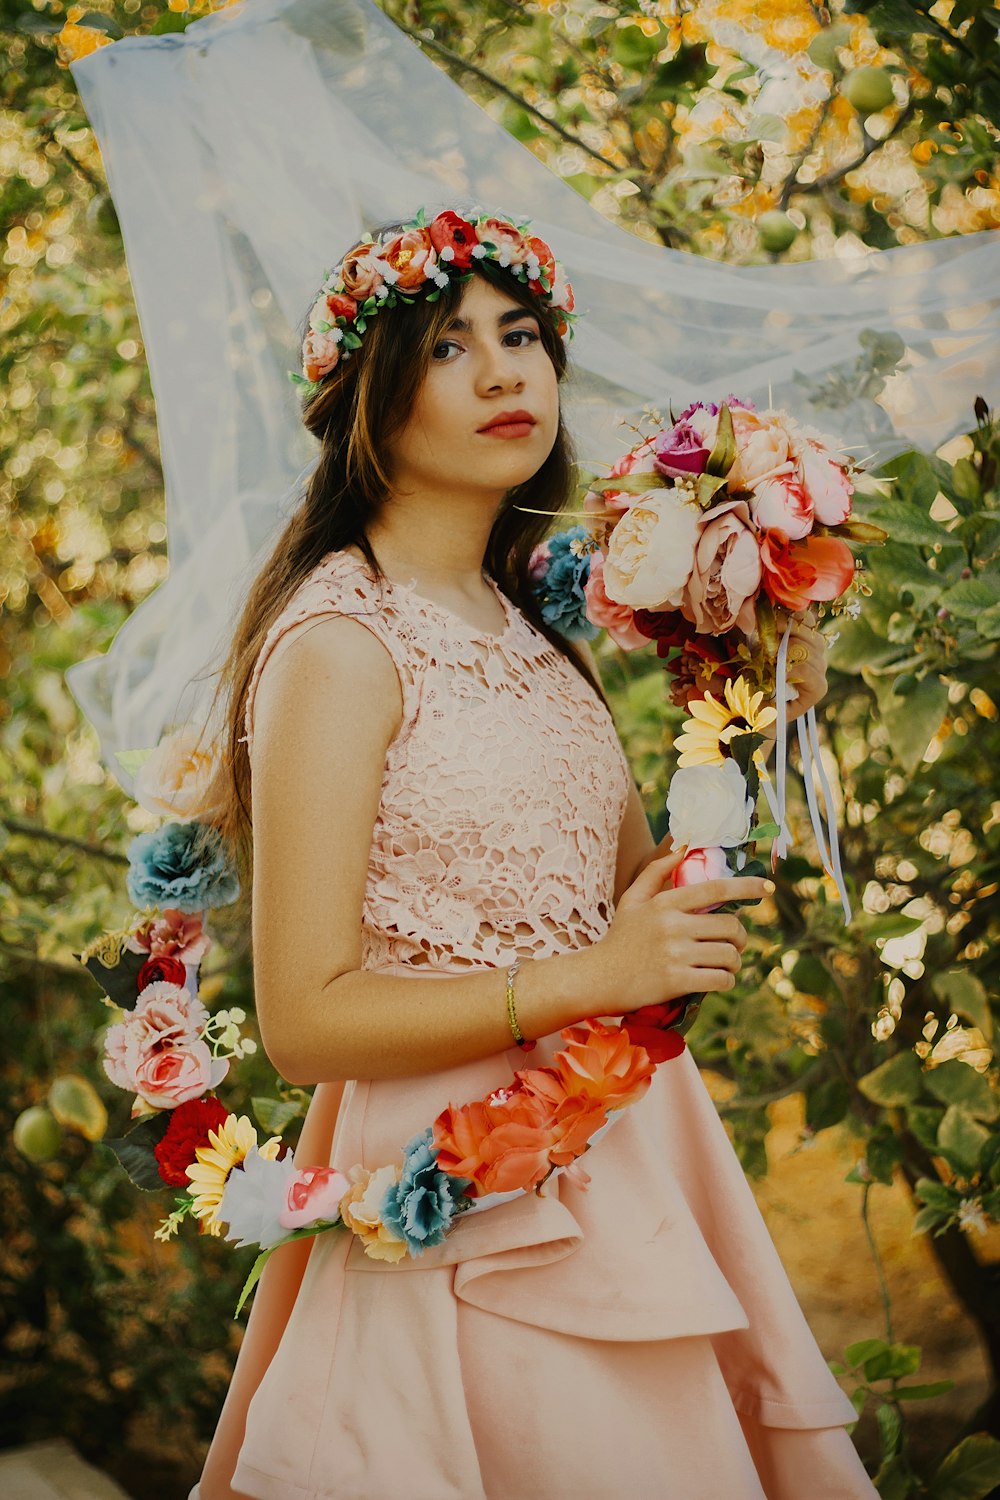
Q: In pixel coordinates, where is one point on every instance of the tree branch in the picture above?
(870, 145)
(791, 181)
(509, 93)
(67, 840)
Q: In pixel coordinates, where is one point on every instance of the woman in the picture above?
(438, 791)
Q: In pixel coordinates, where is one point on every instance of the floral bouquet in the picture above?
(166, 1050)
(699, 534)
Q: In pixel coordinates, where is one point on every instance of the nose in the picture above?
(498, 370)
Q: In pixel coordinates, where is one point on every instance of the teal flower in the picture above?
(422, 1204)
(181, 865)
(560, 588)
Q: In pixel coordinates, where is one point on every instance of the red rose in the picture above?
(341, 306)
(546, 264)
(450, 231)
(155, 969)
(650, 1027)
(188, 1129)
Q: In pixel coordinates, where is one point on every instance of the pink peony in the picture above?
(538, 562)
(826, 484)
(725, 578)
(320, 354)
(313, 1193)
(782, 504)
(176, 934)
(616, 619)
(156, 1051)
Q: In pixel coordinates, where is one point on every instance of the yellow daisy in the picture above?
(228, 1147)
(714, 724)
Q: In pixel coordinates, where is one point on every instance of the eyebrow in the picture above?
(512, 315)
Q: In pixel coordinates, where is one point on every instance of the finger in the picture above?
(716, 956)
(705, 980)
(722, 927)
(713, 892)
(657, 873)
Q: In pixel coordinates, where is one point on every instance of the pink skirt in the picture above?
(638, 1337)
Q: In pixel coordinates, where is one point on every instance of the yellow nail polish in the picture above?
(769, 885)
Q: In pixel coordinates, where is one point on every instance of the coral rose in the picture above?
(574, 1116)
(359, 273)
(725, 575)
(600, 1061)
(180, 778)
(562, 292)
(451, 233)
(651, 551)
(411, 256)
(782, 503)
(795, 573)
(320, 354)
(546, 264)
(338, 305)
(511, 243)
(499, 1146)
(616, 619)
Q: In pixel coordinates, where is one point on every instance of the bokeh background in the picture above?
(854, 1069)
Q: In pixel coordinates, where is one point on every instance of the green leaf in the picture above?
(121, 983)
(883, 1154)
(965, 480)
(954, 1082)
(890, 1427)
(906, 523)
(970, 596)
(923, 1392)
(892, 1362)
(988, 623)
(897, 1081)
(970, 1471)
(274, 1114)
(963, 992)
(893, 1480)
(135, 1151)
(913, 721)
(961, 1139)
(886, 924)
(723, 454)
(827, 1103)
(856, 1354)
(255, 1274)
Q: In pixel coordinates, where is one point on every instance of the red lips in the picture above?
(509, 419)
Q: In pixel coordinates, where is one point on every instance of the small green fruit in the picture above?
(37, 1134)
(825, 44)
(76, 1104)
(868, 89)
(776, 231)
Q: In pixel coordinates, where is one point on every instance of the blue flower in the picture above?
(181, 865)
(422, 1204)
(560, 590)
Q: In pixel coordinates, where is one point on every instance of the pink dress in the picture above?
(639, 1337)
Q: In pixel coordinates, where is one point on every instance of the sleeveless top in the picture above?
(503, 791)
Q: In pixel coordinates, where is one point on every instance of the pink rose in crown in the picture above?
(782, 504)
(721, 591)
(681, 452)
(616, 619)
(826, 484)
(313, 1193)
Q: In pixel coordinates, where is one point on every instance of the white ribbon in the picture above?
(809, 751)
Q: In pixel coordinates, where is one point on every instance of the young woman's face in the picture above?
(487, 413)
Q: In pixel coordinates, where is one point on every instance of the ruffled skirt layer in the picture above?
(638, 1337)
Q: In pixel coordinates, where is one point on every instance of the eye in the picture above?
(527, 336)
(441, 349)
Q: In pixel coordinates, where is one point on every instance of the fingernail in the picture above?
(769, 885)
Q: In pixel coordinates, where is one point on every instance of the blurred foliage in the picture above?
(728, 130)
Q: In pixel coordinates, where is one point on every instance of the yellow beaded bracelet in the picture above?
(518, 1035)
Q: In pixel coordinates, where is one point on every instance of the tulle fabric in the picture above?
(245, 155)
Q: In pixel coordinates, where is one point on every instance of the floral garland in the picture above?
(420, 260)
(165, 1049)
(698, 532)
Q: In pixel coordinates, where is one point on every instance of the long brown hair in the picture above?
(359, 407)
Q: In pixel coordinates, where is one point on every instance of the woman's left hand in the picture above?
(806, 663)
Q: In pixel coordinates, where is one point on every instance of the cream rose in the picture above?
(179, 777)
(651, 551)
(709, 806)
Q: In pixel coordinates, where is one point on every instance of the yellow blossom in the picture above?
(714, 724)
(78, 41)
(228, 1147)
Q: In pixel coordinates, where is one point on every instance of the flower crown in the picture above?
(420, 259)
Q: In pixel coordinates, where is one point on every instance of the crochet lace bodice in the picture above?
(503, 790)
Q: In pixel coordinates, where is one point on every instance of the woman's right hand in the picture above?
(663, 944)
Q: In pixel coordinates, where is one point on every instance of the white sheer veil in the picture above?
(245, 154)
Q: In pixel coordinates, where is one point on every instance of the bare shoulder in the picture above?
(329, 668)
